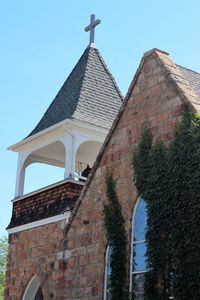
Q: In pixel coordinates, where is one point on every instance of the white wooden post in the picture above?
(21, 168)
(68, 141)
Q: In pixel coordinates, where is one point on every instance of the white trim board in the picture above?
(61, 124)
(64, 216)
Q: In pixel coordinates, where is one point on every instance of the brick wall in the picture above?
(72, 267)
(34, 252)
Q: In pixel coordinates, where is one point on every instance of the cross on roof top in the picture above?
(91, 27)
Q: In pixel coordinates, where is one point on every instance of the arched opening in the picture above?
(86, 154)
(53, 154)
(33, 290)
(44, 166)
(39, 175)
(138, 249)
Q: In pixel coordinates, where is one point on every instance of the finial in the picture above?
(91, 27)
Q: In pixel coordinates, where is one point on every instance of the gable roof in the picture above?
(177, 77)
(90, 94)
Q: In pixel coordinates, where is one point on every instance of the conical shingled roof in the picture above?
(89, 94)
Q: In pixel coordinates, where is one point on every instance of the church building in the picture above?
(57, 242)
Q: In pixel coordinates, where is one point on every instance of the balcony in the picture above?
(43, 204)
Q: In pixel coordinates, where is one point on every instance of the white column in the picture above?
(21, 168)
(68, 141)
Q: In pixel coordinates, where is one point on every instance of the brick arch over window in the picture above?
(33, 290)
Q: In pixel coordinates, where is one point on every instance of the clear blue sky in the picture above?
(41, 41)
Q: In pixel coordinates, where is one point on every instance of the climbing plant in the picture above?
(169, 179)
(116, 236)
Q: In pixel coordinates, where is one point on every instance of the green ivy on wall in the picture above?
(116, 237)
(169, 179)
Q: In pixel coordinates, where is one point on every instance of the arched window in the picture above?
(33, 290)
(107, 273)
(138, 259)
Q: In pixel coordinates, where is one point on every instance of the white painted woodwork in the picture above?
(65, 216)
(64, 145)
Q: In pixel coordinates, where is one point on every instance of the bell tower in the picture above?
(69, 135)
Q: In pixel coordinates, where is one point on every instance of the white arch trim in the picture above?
(24, 162)
(31, 289)
(87, 151)
(24, 156)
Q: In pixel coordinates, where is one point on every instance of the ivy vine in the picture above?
(169, 179)
(116, 237)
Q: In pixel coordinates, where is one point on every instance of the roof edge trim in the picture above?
(54, 127)
(38, 134)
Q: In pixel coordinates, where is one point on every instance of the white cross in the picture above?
(91, 27)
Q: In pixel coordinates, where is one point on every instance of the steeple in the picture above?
(89, 94)
(74, 126)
